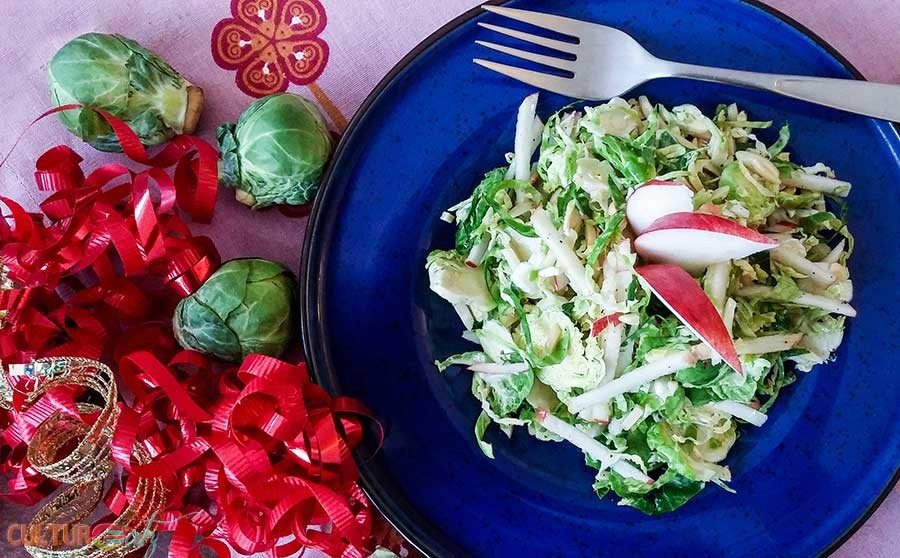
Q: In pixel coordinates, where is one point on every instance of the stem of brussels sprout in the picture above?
(193, 110)
(244, 197)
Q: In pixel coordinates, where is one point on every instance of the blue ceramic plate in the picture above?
(831, 448)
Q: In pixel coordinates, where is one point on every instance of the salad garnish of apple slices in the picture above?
(640, 281)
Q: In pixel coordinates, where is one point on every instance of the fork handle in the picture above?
(880, 100)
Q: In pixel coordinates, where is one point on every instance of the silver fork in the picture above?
(609, 62)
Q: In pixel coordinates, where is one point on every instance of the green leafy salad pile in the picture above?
(543, 278)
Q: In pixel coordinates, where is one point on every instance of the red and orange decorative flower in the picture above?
(271, 43)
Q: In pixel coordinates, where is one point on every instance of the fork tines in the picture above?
(561, 25)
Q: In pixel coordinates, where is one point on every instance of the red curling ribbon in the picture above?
(144, 364)
(184, 455)
(198, 196)
(254, 458)
(23, 222)
(188, 270)
(104, 174)
(115, 500)
(58, 169)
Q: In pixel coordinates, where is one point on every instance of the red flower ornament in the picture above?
(272, 43)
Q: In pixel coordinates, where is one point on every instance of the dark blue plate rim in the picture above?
(384, 493)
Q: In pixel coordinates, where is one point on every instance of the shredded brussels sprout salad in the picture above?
(643, 286)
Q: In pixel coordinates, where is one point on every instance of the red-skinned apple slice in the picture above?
(604, 322)
(655, 199)
(697, 240)
(683, 296)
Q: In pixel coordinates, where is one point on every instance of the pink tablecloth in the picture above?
(366, 38)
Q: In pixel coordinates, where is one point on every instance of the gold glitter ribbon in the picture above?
(6, 284)
(86, 466)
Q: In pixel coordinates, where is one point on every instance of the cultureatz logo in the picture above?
(103, 536)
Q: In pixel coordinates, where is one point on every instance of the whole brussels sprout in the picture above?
(245, 307)
(118, 75)
(276, 151)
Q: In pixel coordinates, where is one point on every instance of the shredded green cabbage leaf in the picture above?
(542, 277)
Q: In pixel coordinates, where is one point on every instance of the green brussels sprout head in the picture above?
(276, 151)
(116, 74)
(245, 307)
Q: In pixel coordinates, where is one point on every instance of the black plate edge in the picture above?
(312, 266)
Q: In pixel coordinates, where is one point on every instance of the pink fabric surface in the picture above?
(366, 37)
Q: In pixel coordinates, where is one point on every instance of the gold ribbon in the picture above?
(85, 467)
(6, 284)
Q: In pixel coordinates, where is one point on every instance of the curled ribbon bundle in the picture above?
(271, 457)
(267, 470)
(254, 459)
(105, 230)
